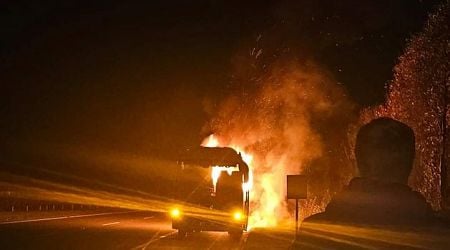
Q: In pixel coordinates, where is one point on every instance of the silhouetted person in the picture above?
(379, 198)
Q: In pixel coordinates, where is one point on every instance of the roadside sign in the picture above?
(296, 187)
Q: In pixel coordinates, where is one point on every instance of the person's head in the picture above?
(385, 150)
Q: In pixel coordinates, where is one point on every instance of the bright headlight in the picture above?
(238, 216)
(175, 213)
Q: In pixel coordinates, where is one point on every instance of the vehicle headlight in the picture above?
(238, 216)
(175, 213)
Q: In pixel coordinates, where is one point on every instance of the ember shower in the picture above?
(417, 96)
(291, 117)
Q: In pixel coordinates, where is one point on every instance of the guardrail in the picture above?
(16, 205)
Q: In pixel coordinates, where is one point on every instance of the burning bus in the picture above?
(214, 195)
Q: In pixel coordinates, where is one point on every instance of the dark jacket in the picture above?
(369, 214)
(371, 202)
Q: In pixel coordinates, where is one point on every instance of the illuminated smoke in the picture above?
(278, 126)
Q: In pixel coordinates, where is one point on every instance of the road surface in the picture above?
(120, 230)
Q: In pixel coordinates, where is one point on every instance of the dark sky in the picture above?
(132, 76)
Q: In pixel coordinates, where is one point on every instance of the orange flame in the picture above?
(211, 141)
(272, 126)
(263, 214)
(217, 170)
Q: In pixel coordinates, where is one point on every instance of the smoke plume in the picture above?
(291, 117)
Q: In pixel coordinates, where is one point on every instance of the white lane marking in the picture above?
(153, 240)
(149, 217)
(145, 245)
(112, 223)
(213, 243)
(60, 218)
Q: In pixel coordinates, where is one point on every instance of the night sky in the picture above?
(133, 77)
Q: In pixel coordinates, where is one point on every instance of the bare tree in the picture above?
(418, 96)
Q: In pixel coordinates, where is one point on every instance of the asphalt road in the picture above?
(125, 230)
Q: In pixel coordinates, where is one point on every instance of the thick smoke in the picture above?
(291, 116)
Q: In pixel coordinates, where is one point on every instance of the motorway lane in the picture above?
(131, 230)
(146, 230)
(202, 240)
(107, 231)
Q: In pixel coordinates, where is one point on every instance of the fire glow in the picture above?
(282, 127)
(264, 215)
(217, 170)
(212, 141)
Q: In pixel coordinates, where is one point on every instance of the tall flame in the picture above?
(211, 141)
(289, 117)
(217, 170)
(257, 217)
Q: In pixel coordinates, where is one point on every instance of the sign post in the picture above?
(296, 217)
(296, 189)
